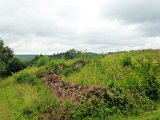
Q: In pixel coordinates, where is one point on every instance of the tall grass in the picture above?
(24, 101)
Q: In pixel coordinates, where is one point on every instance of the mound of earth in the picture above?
(74, 92)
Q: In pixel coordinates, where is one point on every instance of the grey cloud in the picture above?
(48, 26)
(134, 11)
(150, 28)
(143, 13)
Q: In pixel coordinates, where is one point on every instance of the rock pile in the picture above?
(70, 91)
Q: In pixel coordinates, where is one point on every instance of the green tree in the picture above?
(5, 53)
(2, 69)
(8, 64)
(14, 65)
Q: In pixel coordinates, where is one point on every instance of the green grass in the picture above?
(136, 74)
(154, 115)
(103, 69)
(23, 100)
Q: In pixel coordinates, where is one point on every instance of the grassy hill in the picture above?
(131, 80)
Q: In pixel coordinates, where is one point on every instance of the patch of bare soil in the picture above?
(66, 90)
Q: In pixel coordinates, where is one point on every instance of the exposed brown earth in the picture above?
(74, 92)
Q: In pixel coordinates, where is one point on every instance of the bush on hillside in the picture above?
(41, 72)
(117, 102)
(148, 70)
(126, 61)
(151, 84)
(25, 77)
(42, 61)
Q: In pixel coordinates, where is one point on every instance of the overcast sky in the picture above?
(51, 26)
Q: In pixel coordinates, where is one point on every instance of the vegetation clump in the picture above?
(25, 77)
(127, 61)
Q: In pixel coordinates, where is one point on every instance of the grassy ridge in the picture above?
(109, 68)
(133, 77)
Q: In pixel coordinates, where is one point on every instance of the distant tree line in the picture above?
(8, 63)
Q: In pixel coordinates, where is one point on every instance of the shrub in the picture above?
(152, 87)
(57, 67)
(119, 101)
(41, 72)
(42, 61)
(25, 77)
(110, 84)
(91, 109)
(148, 70)
(126, 61)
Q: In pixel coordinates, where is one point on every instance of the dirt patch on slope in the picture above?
(74, 92)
